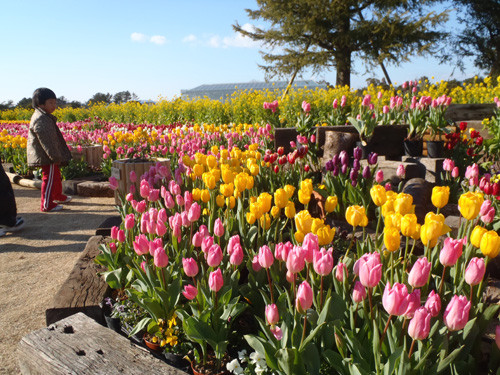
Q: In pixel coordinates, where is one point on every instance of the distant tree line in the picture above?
(62, 102)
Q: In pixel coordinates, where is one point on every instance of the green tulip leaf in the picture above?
(390, 365)
(113, 278)
(449, 359)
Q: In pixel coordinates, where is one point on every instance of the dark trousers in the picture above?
(8, 209)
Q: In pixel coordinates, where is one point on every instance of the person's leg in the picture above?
(58, 194)
(48, 203)
(8, 209)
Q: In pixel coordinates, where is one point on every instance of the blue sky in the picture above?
(153, 48)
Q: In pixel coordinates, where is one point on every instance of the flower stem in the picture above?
(442, 278)
(270, 285)
(385, 330)
(304, 330)
(370, 300)
(411, 349)
(321, 294)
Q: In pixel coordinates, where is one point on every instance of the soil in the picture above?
(35, 261)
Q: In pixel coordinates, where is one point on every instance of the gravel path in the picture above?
(35, 261)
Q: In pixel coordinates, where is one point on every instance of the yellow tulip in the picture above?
(289, 190)
(275, 212)
(205, 195)
(265, 221)
(331, 203)
(249, 182)
(387, 207)
(198, 170)
(316, 224)
(306, 186)
(303, 221)
(209, 180)
(196, 194)
(490, 244)
(304, 196)
(440, 196)
(425, 238)
(403, 203)
(477, 235)
(211, 161)
(378, 194)
(265, 199)
(250, 218)
(325, 235)
(408, 225)
(469, 204)
(299, 237)
(416, 234)
(227, 175)
(392, 239)
(393, 220)
(230, 202)
(355, 215)
(219, 199)
(240, 181)
(290, 210)
(280, 198)
(256, 209)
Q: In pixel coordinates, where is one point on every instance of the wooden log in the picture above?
(83, 290)
(78, 345)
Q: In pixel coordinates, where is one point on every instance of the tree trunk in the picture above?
(343, 63)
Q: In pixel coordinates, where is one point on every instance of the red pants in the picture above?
(51, 187)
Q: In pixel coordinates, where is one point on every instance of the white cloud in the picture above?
(138, 37)
(158, 39)
(191, 38)
(214, 41)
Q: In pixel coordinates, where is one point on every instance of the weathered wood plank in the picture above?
(79, 345)
(83, 290)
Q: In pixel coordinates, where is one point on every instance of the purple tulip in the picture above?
(372, 158)
(366, 172)
(329, 165)
(357, 153)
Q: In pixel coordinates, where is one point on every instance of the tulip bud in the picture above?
(272, 315)
(215, 280)
(190, 267)
(420, 325)
(395, 299)
(474, 272)
(456, 314)
(419, 274)
(190, 292)
(359, 292)
(341, 272)
(265, 257)
(160, 258)
(304, 299)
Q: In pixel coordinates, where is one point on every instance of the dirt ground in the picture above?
(35, 261)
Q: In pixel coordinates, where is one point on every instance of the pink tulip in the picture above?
(179, 199)
(388, 186)
(214, 255)
(141, 206)
(370, 269)
(266, 258)
(154, 195)
(130, 196)
(304, 297)
(295, 261)
(455, 172)
(379, 176)
(487, 212)
(120, 235)
(472, 171)
(359, 292)
(451, 251)
(113, 183)
(237, 255)
(190, 292)
(310, 245)
(341, 272)
(419, 274)
(277, 332)
(474, 272)
(255, 263)
(233, 241)
(456, 314)
(141, 245)
(161, 229)
(272, 315)
(433, 303)
(197, 239)
(133, 176)
(203, 230)
(448, 165)
(420, 325)
(190, 267)
(281, 250)
(169, 201)
(143, 266)
(323, 262)
(218, 228)
(194, 212)
(112, 247)
(160, 258)
(413, 303)
(306, 107)
(162, 215)
(114, 232)
(153, 245)
(215, 280)
(206, 243)
(129, 221)
(184, 219)
(395, 299)
(144, 189)
(400, 171)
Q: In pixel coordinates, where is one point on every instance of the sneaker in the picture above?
(18, 225)
(56, 208)
(67, 200)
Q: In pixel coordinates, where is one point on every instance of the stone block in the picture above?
(95, 189)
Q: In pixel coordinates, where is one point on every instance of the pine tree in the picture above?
(328, 34)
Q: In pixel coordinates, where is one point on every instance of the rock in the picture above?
(421, 191)
(95, 189)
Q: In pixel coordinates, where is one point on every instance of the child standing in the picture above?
(47, 149)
